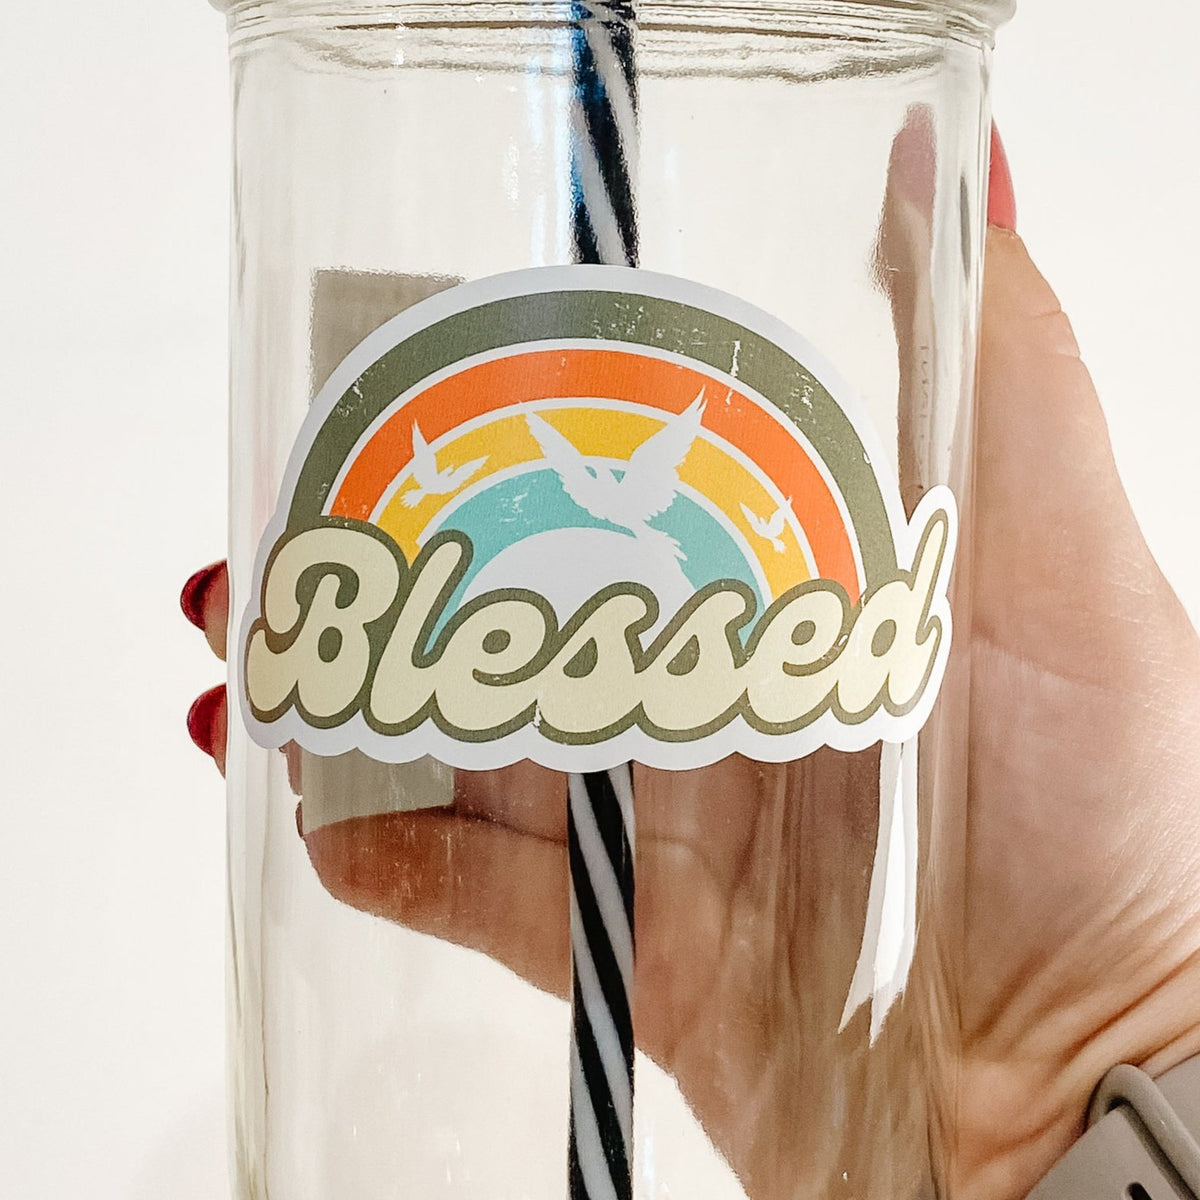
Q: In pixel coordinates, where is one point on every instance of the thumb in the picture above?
(1064, 576)
(1083, 868)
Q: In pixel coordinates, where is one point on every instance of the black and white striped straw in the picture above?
(600, 845)
(604, 116)
(600, 825)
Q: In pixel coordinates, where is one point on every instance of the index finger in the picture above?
(205, 602)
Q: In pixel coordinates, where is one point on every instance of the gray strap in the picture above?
(1142, 1144)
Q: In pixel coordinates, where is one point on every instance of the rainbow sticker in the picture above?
(590, 514)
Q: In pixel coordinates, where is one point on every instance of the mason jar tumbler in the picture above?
(601, 448)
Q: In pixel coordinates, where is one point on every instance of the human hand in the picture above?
(1081, 945)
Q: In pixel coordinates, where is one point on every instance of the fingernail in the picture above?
(202, 718)
(191, 599)
(1001, 203)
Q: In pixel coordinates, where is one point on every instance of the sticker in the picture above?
(585, 515)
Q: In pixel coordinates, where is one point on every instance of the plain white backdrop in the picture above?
(113, 252)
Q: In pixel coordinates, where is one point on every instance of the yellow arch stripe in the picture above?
(606, 433)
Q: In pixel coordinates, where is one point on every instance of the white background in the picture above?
(113, 203)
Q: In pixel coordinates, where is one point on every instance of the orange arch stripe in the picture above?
(617, 375)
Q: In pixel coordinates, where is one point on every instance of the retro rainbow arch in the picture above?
(606, 401)
(607, 356)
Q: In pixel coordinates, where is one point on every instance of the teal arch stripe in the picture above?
(613, 317)
(534, 502)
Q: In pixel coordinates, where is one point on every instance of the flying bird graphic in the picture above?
(771, 527)
(647, 487)
(431, 481)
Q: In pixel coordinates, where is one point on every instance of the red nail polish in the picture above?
(202, 718)
(1001, 203)
(191, 599)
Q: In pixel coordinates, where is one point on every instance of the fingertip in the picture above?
(193, 599)
(1001, 199)
(207, 724)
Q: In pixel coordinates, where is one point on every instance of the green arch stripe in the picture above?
(639, 321)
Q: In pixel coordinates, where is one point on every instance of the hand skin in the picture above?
(1081, 945)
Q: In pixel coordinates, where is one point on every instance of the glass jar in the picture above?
(602, 391)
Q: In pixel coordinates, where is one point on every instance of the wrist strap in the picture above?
(1143, 1141)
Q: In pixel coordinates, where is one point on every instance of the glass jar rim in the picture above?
(987, 14)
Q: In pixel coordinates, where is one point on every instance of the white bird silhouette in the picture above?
(771, 527)
(645, 489)
(431, 481)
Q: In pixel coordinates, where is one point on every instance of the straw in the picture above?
(600, 846)
(600, 826)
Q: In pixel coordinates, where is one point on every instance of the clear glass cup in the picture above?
(810, 171)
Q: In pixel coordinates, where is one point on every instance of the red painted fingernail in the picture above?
(202, 718)
(1001, 203)
(191, 599)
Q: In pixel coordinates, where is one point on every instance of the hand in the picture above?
(1081, 945)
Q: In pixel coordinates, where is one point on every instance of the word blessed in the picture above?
(348, 626)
